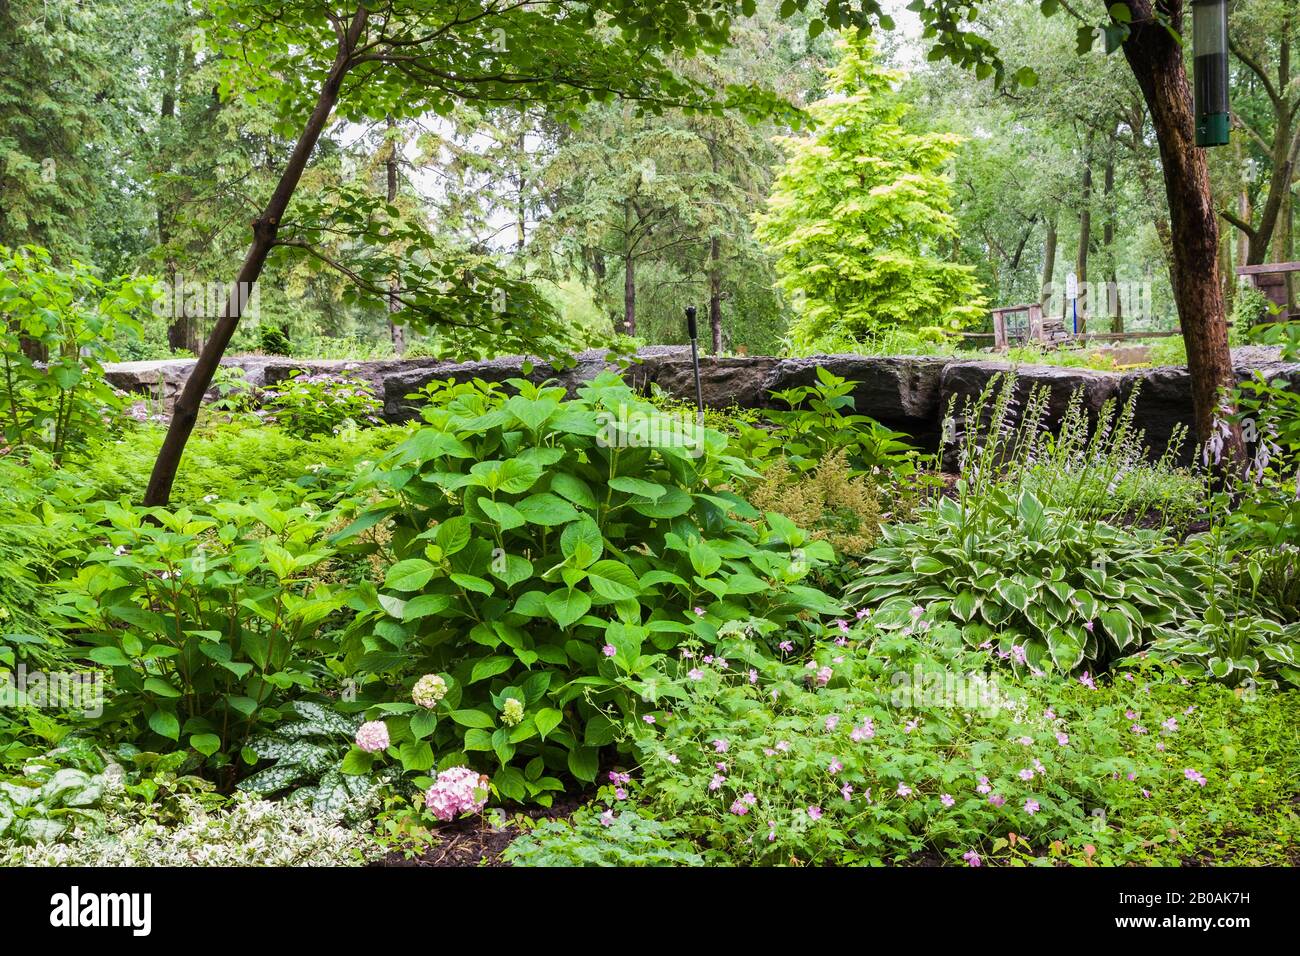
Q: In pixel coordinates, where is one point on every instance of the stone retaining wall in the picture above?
(906, 393)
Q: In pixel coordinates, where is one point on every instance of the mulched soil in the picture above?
(477, 842)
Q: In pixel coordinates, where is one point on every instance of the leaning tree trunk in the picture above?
(1156, 59)
(265, 227)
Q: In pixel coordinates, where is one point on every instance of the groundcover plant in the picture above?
(707, 433)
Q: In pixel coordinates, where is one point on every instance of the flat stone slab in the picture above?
(906, 393)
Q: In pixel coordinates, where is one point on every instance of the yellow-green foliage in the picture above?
(860, 213)
(829, 501)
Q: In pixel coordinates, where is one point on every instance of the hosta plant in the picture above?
(1047, 590)
(544, 556)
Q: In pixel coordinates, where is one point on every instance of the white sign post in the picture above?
(1072, 293)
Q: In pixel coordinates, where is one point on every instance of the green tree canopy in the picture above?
(860, 216)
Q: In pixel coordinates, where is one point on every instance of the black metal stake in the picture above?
(693, 331)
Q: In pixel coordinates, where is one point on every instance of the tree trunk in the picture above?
(629, 294)
(396, 333)
(265, 227)
(1156, 59)
(629, 270)
(182, 329)
(1085, 237)
(715, 293)
(1114, 301)
(1284, 151)
(1049, 264)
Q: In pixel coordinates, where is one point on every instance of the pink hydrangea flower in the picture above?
(372, 736)
(457, 790)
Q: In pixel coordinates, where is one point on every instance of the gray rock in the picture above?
(906, 393)
(899, 391)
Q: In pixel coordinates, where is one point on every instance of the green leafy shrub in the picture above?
(306, 406)
(208, 623)
(819, 422)
(56, 326)
(544, 555)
